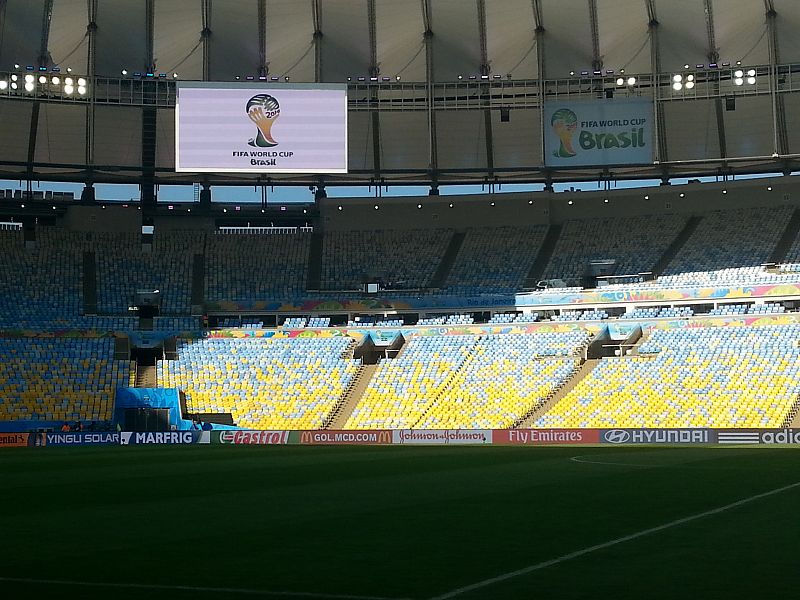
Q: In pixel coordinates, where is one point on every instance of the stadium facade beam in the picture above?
(150, 27)
(47, 15)
(485, 69)
(316, 15)
(433, 162)
(374, 71)
(662, 154)
(713, 58)
(597, 60)
(541, 72)
(91, 29)
(263, 65)
(780, 138)
(205, 36)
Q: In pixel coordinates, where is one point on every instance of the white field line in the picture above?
(192, 588)
(582, 459)
(627, 538)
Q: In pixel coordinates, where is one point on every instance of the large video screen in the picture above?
(252, 128)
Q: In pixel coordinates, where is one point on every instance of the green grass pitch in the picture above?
(396, 522)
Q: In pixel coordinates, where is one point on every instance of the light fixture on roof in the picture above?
(124, 71)
(570, 202)
(28, 87)
(677, 86)
(14, 78)
(376, 207)
(419, 205)
(769, 188)
(492, 204)
(174, 75)
(29, 78)
(572, 73)
(81, 81)
(685, 66)
(68, 89)
(82, 90)
(3, 84)
(55, 80)
(13, 85)
(340, 207)
(738, 73)
(451, 205)
(42, 79)
(677, 78)
(682, 195)
(69, 69)
(530, 201)
(620, 81)
(631, 80)
(724, 191)
(16, 65)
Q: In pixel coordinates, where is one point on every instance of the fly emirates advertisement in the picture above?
(251, 128)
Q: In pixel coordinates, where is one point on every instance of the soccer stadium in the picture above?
(399, 299)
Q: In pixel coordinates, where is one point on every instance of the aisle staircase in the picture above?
(676, 245)
(89, 284)
(314, 272)
(787, 238)
(542, 257)
(451, 253)
(528, 420)
(351, 398)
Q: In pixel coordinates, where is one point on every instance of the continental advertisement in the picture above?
(414, 437)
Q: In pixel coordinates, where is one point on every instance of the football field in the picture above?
(394, 523)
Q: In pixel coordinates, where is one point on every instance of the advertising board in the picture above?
(346, 437)
(539, 437)
(79, 438)
(128, 438)
(442, 436)
(251, 437)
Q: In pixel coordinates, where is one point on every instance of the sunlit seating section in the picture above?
(503, 380)
(41, 286)
(265, 383)
(124, 267)
(399, 259)
(59, 379)
(494, 260)
(402, 389)
(635, 243)
(256, 267)
(728, 247)
(691, 377)
(466, 379)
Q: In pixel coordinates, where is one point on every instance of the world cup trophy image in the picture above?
(564, 123)
(263, 110)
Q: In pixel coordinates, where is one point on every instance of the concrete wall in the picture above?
(546, 207)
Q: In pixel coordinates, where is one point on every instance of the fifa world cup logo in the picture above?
(564, 123)
(263, 110)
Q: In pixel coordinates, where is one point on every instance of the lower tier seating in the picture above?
(59, 379)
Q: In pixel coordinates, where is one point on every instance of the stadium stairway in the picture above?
(676, 245)
(89, 284)
(543, 257)
(443, 270)
(541, 408)
(351, 397)
(198, 283)
(792, 419)
(314, 273)
(787, 238)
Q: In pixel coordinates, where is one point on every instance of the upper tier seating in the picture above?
(253, 267)
(693, 377)
(41, 286)
(123, 267)
(400, 259)
(729, 247)
(636, 243)
(265, 383)
(494, 260)
(59, 379)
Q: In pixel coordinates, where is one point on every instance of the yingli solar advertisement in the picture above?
(251, 128)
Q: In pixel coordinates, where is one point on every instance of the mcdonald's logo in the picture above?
(381, 436)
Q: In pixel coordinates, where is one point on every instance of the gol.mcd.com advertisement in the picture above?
(598, 133)
(251, 128)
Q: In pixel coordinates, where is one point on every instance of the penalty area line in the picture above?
(627, 538)
(193, 588)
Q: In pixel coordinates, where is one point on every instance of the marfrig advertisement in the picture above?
(598, 133)
(252, 128)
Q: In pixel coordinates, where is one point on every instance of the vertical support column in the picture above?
(374, 71)
(150, 20)
(316, 13)
(661, 154)
(541, 68)
(205, 35)
(780, 138)
(263, 66)
(91, 30)
(485, 69)
(433, 161)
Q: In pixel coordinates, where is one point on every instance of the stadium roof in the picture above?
(329, 40)
(522, 42)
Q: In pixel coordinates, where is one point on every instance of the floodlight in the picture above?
(28, 87)
(631, 80)
(676, 78)
(677, 86)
